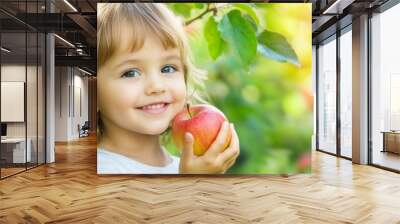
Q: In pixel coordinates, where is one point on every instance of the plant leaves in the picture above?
(252, 22)
(183, 9)
(245, 7)
(275, 46)
(252, 5)
(213, 37)
(260, 5)
(199, 5)
(239, 33)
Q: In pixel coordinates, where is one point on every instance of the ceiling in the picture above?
(75, 22)
(331, 15)
(76, 25)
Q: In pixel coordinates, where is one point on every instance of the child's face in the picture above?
(141, 91)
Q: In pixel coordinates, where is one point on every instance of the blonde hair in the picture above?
(144, 19)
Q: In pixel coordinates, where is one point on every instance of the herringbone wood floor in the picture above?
(69, 191)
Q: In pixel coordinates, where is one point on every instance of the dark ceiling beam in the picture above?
(335, 16)
(84, 24)
(337, 7)
(63, 7)
(91, 5)
(89, 70)
(87, 51)
(329, 14)
(331, 29)
(57, 22)
(11, 25)
(49, 22)
(81, 61)
(16, 18)
(320, 23)
(322, 30)
(69, 23)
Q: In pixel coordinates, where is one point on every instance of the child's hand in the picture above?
(214, 160)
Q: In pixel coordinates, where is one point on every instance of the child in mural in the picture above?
(144, 79)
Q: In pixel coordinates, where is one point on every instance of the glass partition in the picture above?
(327, 96)
(22, 90)
(346, 93)
(385, 89)
(14, 154)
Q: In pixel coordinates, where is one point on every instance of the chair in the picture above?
(84, 130)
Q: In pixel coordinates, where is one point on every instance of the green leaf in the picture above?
(183, 9)
(252, 5)
(199, 5)
(239, 33)
(275, 46)
(252, 22)
(260, 5)
(213, 37)
(246, 8)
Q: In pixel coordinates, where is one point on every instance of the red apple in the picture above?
(203, 122)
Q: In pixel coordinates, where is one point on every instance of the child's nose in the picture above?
(154, 84)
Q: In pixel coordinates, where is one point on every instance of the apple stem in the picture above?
(187, 107)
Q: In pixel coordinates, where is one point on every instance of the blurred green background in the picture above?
(266, 92)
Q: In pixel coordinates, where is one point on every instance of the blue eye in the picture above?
(131, 74)
(168, 69)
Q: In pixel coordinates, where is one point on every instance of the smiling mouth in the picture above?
(155, 108)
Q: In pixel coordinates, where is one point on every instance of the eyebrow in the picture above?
(169, 57)
(128, 61)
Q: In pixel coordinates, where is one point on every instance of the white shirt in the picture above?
(114, 163)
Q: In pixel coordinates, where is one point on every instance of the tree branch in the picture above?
(208, 9)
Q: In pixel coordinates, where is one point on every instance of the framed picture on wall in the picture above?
(204, 88)
(12, 101)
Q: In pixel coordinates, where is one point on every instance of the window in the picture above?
(327, 96)
(385, 89)
(346, 92)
